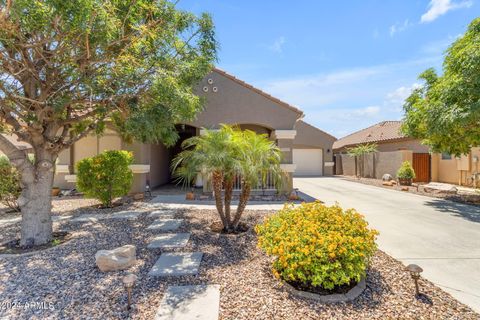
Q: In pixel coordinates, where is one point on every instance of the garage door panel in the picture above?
(309, 162)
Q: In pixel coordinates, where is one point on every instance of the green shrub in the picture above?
(406, 171)
(318, 246)
(9, 184)
(105, 176)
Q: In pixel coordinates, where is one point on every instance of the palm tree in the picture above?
(224, 155)
(359, 153)
(258, 158)
(211, 154)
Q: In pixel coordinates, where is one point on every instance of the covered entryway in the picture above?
(308, 162)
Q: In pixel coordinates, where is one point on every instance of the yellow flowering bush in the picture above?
(317, 245)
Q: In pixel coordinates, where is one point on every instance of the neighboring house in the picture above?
(463, 170)
(393, 148)
(306, 149)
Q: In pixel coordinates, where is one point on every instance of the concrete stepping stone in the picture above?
(163, 214)
(127, 215)
(169, 240)
(165, 224)
(7, 222)
(199, 302)
(60, 218)
(176, 264)
(87, 218)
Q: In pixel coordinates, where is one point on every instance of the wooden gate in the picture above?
(421, 165)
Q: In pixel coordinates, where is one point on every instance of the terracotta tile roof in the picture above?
(266, 95)
(380, 132)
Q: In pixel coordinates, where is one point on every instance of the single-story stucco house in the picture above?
(306, 149)
(394, 148)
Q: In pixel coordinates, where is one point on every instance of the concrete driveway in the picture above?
(441, 236)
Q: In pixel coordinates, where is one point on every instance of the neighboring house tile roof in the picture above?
(380, 132)
(266, 95)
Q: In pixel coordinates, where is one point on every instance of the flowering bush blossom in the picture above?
(318, 245)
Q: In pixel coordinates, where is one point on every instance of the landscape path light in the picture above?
(415, 271)
(129, 283)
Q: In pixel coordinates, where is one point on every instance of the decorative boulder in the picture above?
(387, 177)
(440, 188)
(116, 259)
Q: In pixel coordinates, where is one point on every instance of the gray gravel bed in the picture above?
(67, 277)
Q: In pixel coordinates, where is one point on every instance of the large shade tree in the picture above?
(445, 110)
(67, 68)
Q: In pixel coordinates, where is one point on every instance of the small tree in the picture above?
(67, 68)
(445, 111)
(105, 176)
(224, 155)
(10, 188)
(359, 153)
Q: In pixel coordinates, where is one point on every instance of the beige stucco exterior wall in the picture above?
(404, 144)
(454, 170)
(413, 145)
(93, 145)
(159, 165)
(376, 164)
(309, 137)
(234, 103)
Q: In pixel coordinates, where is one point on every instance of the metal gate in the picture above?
(421, 165)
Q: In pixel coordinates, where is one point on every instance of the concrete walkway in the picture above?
(179, 202)
(441, 236)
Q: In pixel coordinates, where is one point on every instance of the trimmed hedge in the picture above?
(10, 188)
(105, 176)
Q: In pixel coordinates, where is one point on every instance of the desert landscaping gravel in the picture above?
(64, 283)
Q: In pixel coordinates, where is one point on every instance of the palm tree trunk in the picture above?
(242, 203)
(228, 200)
(217, 180)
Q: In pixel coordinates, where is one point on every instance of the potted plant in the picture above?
(405, 174)
(55, 191)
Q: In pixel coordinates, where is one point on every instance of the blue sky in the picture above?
(346, 64)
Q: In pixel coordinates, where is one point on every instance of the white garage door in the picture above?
(309, 162)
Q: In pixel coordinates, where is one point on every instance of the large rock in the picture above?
(387, 177)
(116, 259)
(440, 188)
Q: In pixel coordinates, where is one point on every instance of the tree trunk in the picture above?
(36, 204)
(228, 201)
(242, 203)
(217, 180)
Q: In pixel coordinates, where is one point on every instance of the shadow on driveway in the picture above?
(468, 212)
